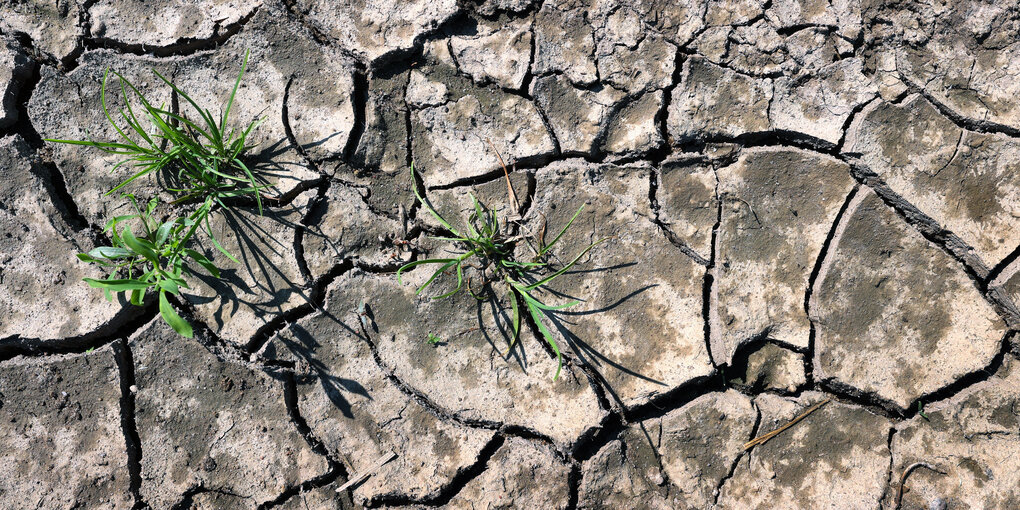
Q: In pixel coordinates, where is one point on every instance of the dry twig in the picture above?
(763, 439)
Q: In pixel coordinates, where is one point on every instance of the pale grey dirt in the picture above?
(798, 200)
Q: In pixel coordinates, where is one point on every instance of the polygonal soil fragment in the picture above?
(42, 295)
(711, 101)
(701, 440)
(975, 435)
(522, 474)
(628, 56)
(692, 447)
(497, 53)
(379, 29)
(966, 181)
(819, 105)
(769, 367)
(778, 207)
(564, 43)
(578, 116)
(451, 129)
(634, 130)
(640, 323)
(14, 70)
(469, 373)
(687, 201)
(677, 22)
(342, 227)
(842, 16)
(205, 422)
(61, 442)
(636, 477)
(836, 457)
(264, 283)
(163, 23)
(359, 413)
(872, 334)
(964, 55)
(53, 25)
(68, 106)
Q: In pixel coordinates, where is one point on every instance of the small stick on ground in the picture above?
(514, 203)
(906, 473)
(368, 472)
(764, 438)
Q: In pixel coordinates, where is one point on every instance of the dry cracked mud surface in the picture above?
(799, 201)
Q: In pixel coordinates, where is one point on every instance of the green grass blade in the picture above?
(421, 200)
(565, 268)
(118, 285)
(409, 265)
(138, 247)
(170, 316)
(545, 249)
(537, 316)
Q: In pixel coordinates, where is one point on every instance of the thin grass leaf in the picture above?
(536, 315)
(119, 285)
(565, 268)
(545, 249)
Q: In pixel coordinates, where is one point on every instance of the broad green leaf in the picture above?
(171, 317)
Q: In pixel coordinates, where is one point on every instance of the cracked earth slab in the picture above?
(871, 336)
(163, 23)
(359, 412)
(969, 442)
(963, 54)
(451, 120)
(266, 280)
(778, 205)
(675, 461)
(635, 287)
(962, 179)
(14, 71)
(204, 422)
(53, 26)
(60, 430)
(807, 465)
(41, 292)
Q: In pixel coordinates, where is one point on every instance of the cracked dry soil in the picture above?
(805, 200)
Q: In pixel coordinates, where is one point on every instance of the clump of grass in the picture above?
(490, 246)
(202, 160)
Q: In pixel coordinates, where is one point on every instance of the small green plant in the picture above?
(202, 163)
(492, 245)
(434, 339)
(203, 158)
(920, 411)
(153, 260)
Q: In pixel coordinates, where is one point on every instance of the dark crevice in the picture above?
(963, 122)
(359, 101)
(889, 474)
(573, 485)
(1002, 265)
(676, 397)
(316, 298)
(180, 47)
(823, 254)
(132, 441)
(708, 305)
(128, 320)
(662, 115)
(672, 237)
(736, 460)
(443, 495)
(336, 472)
(315, 209)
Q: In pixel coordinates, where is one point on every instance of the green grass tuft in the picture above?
(489, 245)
